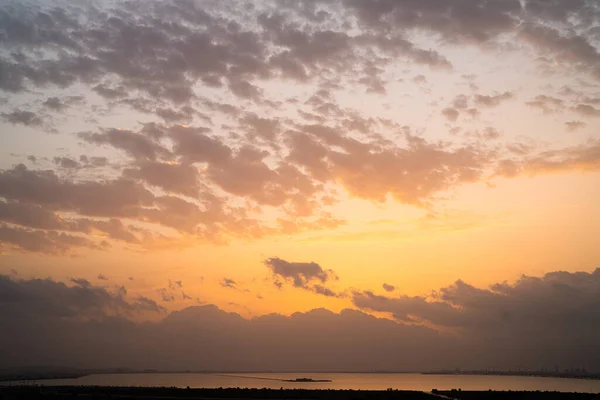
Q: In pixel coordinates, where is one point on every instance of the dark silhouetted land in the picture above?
(142, 393)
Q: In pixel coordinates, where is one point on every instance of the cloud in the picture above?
(547, 104)
(388, 288)
(556, 308)
(104, 198)
(93, 161)
(102, 277)
(66, 163)
(585, 157)
(45, 299)
(531, 323)
(451, 114)
(228, 283)
(420, 79)
(27, 118)
(300, 273)
(47, 242)
(217, 177)
(305, 275)
(585, 110)
(572, 49)
(172, 177)
(165, 295)
(572, 126)
(138, 146)
(61, 103)
(493, 100)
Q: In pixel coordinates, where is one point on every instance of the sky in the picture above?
(325, 185)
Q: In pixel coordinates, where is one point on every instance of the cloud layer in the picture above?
(533, 323)
(243, 126)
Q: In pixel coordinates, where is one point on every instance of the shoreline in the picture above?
(35, 392)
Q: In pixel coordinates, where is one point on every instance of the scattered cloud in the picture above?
(493, 100)
(305, 275)
(547, 104)
(388, 287)
(228, 283)
(572, 126)
(548, 320)
(585, 110)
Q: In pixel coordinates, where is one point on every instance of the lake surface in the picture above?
(364, 381)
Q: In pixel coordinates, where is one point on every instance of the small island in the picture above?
(307, 380)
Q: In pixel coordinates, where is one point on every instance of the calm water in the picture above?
(340, 381)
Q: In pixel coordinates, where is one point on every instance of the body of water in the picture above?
(362, 381)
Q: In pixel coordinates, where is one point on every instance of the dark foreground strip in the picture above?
(142, 393)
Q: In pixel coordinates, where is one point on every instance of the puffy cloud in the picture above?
(45, 299)
(586, 110)
(30, 215)
(98, 329)
(547, 104)
(530, 323)
(137, 145)
(61, 103)
(573, 49)
(93, 161)
(48, 242)
(171, 177)
(493, 100)
(305, 275)
(559, 308)
(66, 162)
(217, 71)
(115, 198)
(451, 114)
(300, 273)
(27, 118)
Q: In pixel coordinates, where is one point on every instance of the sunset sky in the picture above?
(412, 160)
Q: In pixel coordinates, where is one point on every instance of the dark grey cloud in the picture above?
(93, 161)
(532, 323)
(572, 49)
(45, 299)
(305, 275)
(171, 177)
(558, 309)
(61, 103)
(138, 146)
(47, 242)
(27, 118)
(228, 283)
(66, 162)
(300, 273)
(115, 198)
(32, 216)
(388, 288)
